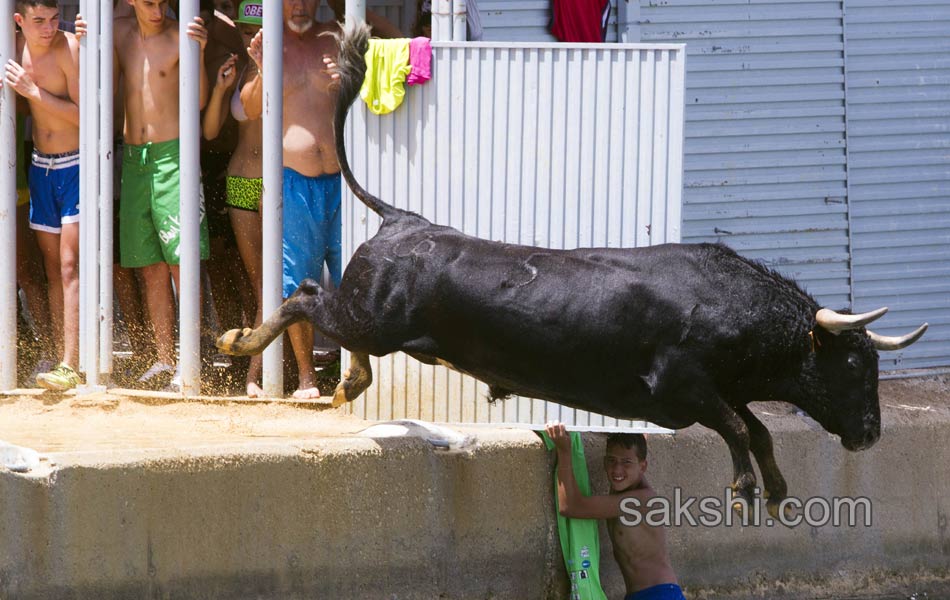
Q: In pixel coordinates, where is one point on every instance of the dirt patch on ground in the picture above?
(871, 585)
(57, 423)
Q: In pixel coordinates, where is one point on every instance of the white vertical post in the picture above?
(273, 201)
(442, 20)
(89, 195)
(189, 326)
(8, 158)
(106, 208)
(356, 9)
(628, 22)
(459, 21)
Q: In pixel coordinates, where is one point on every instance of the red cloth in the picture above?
(580, 20)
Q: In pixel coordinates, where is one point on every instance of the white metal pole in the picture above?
(8, 158)
(106, 208)
(442, 20)
(459, 21)
(356, 9)
(189, 217)
(89, 195)
(273, 220)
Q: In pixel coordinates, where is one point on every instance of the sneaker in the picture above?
(41, 366)
(157, 376)
(60, 379)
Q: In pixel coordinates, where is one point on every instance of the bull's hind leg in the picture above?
(309, 302)
(760, 441)
(247, 341)
(355, 379)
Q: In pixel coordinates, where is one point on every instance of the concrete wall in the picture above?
(392, 518)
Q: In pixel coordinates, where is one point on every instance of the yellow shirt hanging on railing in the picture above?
(387, 65)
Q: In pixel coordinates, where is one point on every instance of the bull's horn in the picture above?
(884, 342)
(837, 322)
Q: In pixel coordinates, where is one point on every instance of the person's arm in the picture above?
(217, 110)
(64, 108)
(252, 94)
(571, 502)
(382, 27)
(71, 70)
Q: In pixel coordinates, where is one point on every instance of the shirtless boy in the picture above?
(640, 550)
(47, 76)
(146, 58)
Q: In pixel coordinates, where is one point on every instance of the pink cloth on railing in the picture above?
(420, 61)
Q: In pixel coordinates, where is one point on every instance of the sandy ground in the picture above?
(55, 423)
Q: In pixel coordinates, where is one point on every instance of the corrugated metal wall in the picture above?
(898, 69)
(765, 132)
(818, 139)
(554, 146)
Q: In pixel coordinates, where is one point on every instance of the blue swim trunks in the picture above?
(312, 228)
(664, 591)
(54, 190)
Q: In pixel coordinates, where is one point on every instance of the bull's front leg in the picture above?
(760, 439)
(724, 421)
(243, 342)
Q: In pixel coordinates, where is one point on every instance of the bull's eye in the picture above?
(852, 363)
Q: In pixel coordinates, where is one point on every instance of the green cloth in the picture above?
(580, 540)
(387, 66)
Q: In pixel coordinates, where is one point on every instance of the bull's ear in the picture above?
(821, 337)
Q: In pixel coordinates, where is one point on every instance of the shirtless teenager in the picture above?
(47, 75)
(146, 59)
(312, 192)
(640, 550)
(244, 180)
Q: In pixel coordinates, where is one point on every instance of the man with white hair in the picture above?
(312, 192)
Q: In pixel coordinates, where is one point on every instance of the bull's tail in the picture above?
(351, 67)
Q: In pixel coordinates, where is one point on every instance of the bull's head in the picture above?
(846, 361)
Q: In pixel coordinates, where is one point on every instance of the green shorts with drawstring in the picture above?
(149, 213)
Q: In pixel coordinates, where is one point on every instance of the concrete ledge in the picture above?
(350, 517)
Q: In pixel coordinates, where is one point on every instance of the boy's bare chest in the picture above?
(153, 60)
(45, 72)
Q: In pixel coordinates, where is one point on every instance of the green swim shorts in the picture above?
(149, 224)
(245, 193)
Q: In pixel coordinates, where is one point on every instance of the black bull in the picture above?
(675, 334)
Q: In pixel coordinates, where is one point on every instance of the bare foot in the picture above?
(254, 390)
(307, 393)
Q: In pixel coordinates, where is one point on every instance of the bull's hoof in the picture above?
(742, 502)
(339, 397)
(339, 394)
(773, 507)
(230, 342)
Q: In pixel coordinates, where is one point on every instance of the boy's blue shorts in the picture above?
(664, 591)
(54, 191)
(312, 228)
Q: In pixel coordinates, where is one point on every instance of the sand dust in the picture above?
(56, 423)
